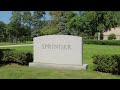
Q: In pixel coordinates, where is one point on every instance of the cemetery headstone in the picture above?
(58, 51)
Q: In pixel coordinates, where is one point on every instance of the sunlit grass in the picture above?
(90, 49)
(23, 72)
(8, 43)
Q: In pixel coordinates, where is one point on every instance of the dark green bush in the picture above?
(22, 58)
(2, 54)
(102, 42)
(107, 63)
(112, 37)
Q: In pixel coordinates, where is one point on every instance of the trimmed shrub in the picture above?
(2, 54)
(107, 63)
(102, 42)
(112, 37)
(21, 58)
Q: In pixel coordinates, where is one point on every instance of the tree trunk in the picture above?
(101, 35)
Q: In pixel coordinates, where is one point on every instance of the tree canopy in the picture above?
(81, 23)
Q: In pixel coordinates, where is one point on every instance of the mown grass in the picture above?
(25, 72)
(15, 71)
(20, 48)
(8, 43)
(90, 49)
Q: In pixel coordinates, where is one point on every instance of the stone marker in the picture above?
(58, 51)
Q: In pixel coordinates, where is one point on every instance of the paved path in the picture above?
(17, 45)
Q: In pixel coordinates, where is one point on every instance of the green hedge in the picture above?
(112, 37)
(9, 56)
(107, 63)
(102, 42)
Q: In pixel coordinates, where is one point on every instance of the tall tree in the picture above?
(16, 16)
(63, 20)
(13, 29)
(9, 30)
(55, 17)
(20, 25)
(27, 18)
(60, 18)
(15, 25)
(37, 22)
(2, 29)
(26, 24)
(76, 25)
(94, 21)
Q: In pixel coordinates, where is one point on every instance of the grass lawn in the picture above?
(25, 72)
(7, 43)
(20, 48)
(15, 71)
(90, 49)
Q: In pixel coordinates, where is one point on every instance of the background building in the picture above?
(115, 31)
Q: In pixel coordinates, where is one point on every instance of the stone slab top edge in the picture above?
(59, 35)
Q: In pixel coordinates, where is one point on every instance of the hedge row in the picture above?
(102, 42)
(107, 63)
(9, 56)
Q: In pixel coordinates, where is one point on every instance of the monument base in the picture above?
(57, 66)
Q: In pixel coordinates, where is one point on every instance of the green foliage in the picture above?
(13, 29)
(27, 18)
(75, 26)
(55, 17)
(49, 30)
(8, 56)
(92, 22)
(62, 23)
(102, 42)
(36, 18)
(61, 18)
(88, 23)
(32, 24)
(2, 31)
(107, 63)
(112, 37)
(16, 16)
(37, 23)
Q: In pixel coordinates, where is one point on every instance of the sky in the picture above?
(5, 16)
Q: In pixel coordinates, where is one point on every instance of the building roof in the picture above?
(116, 31)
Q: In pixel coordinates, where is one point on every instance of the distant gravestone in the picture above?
(14, 41)
(58, 51)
